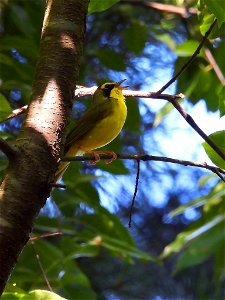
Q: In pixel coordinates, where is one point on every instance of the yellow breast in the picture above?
(108, 128)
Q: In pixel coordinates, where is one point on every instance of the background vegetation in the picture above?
(175, 247)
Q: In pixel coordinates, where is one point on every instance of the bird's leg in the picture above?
(113, 154)
(96, 156)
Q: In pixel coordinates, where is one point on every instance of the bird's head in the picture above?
(108, 89)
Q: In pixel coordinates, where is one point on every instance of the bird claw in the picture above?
(96, 156)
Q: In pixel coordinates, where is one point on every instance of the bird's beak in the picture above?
(119, 83)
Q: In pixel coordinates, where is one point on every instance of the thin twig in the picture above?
(146, 157)
(188, 63)
(41, 267)
(57, 185)
(15, 113)
(135, 193)
(7, 149)
(47, 235)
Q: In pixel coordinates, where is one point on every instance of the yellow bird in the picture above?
(99, 126)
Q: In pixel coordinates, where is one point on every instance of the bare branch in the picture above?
(8, 149)
(83, 91)
(15, 113)
(189, 62)
(183, 12)
(135, 193)
(41, 267)
(146, 157)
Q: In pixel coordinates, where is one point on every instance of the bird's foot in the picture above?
(96, 155)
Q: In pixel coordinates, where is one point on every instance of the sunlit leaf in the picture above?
(214, 197)
(33, 295)
(217, 8)
(207, 22)
(99, 5)
(219, 139)
(188, 237)
(187, 48)
(206, 240)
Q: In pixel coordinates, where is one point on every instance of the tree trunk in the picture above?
(31, 168)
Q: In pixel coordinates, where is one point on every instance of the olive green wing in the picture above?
(88, 122)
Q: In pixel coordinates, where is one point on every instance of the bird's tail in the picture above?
(60, 171)
(64, 165)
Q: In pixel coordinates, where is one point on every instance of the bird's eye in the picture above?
(107, 86)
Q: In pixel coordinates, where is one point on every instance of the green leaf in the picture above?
(111, 59)
(164, 111)
(209, 238)
(218, 9)
(136, 36)
(187, 48)
(21, 19)
(219, 139)
(213, 198)
(25, 46)
(124, 249)
(187, 237)
(206, 23)
(116, 167)
(100, 5)
(74, 250)
(5, 108)
(133, 121)
(166, 39)
(222, 101)
(103, 222)
(45, 295)
(33, 295)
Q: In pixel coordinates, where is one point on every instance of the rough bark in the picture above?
(25, 188)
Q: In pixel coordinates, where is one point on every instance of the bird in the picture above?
(100, 125)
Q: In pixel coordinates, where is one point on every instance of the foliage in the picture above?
(138, 40)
